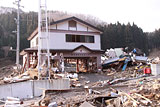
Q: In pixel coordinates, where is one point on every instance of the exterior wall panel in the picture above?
(33, 42)
(81, 27)
(63, 26)
(58, 41)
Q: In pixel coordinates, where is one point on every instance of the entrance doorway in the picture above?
(83, 64)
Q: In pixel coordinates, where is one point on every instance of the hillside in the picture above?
(114, 35)
(4, 10)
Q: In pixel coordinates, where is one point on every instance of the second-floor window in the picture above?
(72, 23)
(79, 38)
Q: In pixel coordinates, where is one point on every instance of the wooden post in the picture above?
(77, 65)
(24, 65)
(29, 59)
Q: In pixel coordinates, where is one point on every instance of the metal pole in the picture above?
(18, 35)
(39, 35)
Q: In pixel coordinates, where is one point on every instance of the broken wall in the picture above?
(29, 89)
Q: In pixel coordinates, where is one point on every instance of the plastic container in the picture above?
(147, 70)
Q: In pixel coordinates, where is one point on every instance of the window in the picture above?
(79, 38)
(90, 39)
(68, 38)
(82, 39)
(72, 23)
(73, 38)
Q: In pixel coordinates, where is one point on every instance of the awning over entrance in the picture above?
(79, 49)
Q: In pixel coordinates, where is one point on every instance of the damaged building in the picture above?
(72, 41)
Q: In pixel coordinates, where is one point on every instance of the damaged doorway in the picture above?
(81, 64)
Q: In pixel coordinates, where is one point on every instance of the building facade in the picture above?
(72, 40)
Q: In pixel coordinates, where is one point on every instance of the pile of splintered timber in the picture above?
(148, 94)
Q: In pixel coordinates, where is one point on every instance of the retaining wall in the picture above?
(29, 89)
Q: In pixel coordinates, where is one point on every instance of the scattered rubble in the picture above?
(128, 83)
(13, 102)
(144, 93)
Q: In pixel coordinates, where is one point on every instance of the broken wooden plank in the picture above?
(143, 97)
(123, 93)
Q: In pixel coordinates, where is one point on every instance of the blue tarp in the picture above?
(141, 58)
(110, 61)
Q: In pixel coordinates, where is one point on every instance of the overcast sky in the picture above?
(144, 13)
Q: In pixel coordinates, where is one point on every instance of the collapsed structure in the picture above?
(73, 42)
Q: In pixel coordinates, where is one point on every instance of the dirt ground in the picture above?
(93, 77)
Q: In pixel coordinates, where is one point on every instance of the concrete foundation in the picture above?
(32, 88)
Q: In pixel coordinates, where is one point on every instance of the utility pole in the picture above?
(43, 41)
(17, 2)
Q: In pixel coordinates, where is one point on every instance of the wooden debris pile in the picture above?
(130, 74)
(146, 92)
(32, 74)
(144, 95)
(149, 93)
(155, 60)
(21, 77)
(7, 72)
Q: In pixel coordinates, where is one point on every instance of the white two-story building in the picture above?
(78, 42)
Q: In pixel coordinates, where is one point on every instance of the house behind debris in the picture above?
(72, 40)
